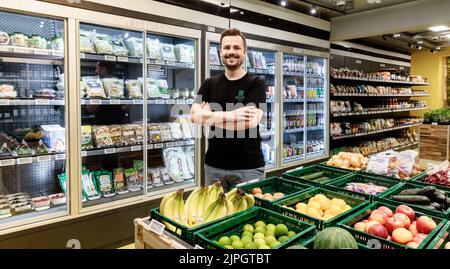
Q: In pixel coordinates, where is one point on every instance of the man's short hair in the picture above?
(233, 32)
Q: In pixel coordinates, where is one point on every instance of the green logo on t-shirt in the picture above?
(240, 96)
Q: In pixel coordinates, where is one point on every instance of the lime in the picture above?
(259, 235)
(235, 238)
(228, 247)
(237, 245)
(260, 241)
(281, 230)
(249, 227)
(246, 233)
(260, 223)
(224, 240)
(274, 244)
(270, 240)
(291, 234)
(264, 247)
(260, 229)
(251, 245)
(270, 227)
(269, 233)
(247, 239)
(283, 239)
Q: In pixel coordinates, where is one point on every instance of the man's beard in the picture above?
(235, 66)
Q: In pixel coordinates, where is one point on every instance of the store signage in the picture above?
(157, 227)
(44, 158)
(156, 70)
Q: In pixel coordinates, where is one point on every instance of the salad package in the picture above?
(114, 88)
(102, 44)
(118, 46)
(102, 136)
(93, 87)
(134, 88)
(104, 182)
(154, 49)
(86, 43)
(119, 180)
(184, 53)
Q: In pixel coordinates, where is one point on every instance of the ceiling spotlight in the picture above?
(340, 3)
(438, 48)
(397, 35)
(419, 47)
(410, 44)
(435, 38)
(439, 28)
(420, 42)
(283, 3)
(313, 10)
(433, 51)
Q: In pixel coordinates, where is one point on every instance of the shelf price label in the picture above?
(58, 53)
(110, 58)
(110, 151)
(136, 148)
(170, 102)
(84, 153)
(115, 102)
(44, 158)
(8, 162)
(179, 143)
(82, 56)
(25, 160)
(41, 52)
(149, 146)
(156, 227)
(160, 102)
(21, 50)
(171, 63)
(159, 62)
(170, 144)
(122, 59)
(214, 67)
(190, 65)
(138, 102)
(4, 102)
(95, 102)
(60, 157)
(42, 102)
(159, 146)
(190, 142)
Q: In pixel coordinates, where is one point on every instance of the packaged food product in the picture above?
(163, 88)
(88, 185)
(42, 201)
(186, 127)
(7, 92)
(134, 88)
(86, 44)
(132, 177)
(135, 46)
(119, 180)
(37, 42)
(54, 136)
(57, 199)
(4, 38)
(102, 136)
(19, 39)
(168, 52)
(166, 177)
(102, 43)
(175, 128)
(104, 182)
(128, 134)
(155, 176)
(184, 53)
(5, 211)
(139, 132)
(45, 93)
(24, 149)
(86, 137)
(113, 88)
(62, 179)
(152, 89)
(176, 163)
(213, 56)
(154, 49)
(116, 134)
(41, 148)
(58, 43)
(93, 87)
(154, 133)
(118, 46)
(190, 158)
(139, 166)
(166, 134)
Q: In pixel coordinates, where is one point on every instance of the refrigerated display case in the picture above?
(33, 111)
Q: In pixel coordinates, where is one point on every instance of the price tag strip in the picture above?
(110, 151)
(44, 158)
(25, 160)
(8, 162)
(156, 227)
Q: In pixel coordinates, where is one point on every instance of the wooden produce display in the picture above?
(434, 142)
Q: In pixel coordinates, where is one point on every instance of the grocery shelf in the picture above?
(313, 155)
(297, 74)
(171, 101)
(137, 147)
(32, 159)
(398, 148)
(315, 76)
(171, 187)
(315, 100)
(116, 197)
(171, 64)
(110, 58)
(296, 130)
(28, 80)
(381, 81)
(378, 95)
(134, 101)
(261, 71)
(217, 67)
(376, 112)
(30, 102)
(313, 128)
(267, 133)
(31, 52)
(33, 214)
(293, 158)
(294, 100)
(375, 132)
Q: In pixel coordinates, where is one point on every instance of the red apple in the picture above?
(379, 230)
(365, 221)
(389, 238)
(447, 246)
(401, 236)
(386, 210)
(369, 224)
(403, 218)
(392, 224)
(425, 224)
(378, 215)
(408, 211)
(419, 238)
(413, 244)
(413, 228)
(359, 226)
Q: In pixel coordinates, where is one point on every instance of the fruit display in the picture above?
(401, 226)
(257, 192)
(426, 197)
(335, 238)
(203, 205)
(401, 165)
(348, 160)
(321, 207)
(438, 175)
(258, 235)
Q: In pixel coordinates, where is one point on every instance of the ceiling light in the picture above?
(419, 47)
(447, 36)
(410, 44)
(283, 3)
(433, 51)
(313, 10)
(397, 35)
(232, 10)
(420, 42)
(437, 48)
(242, 12)
(439, 28)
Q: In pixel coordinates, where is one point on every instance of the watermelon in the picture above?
(335, 238)
(296, 247)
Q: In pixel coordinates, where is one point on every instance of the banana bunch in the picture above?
(195, 206)
(214, 192)
(172, 206)
(220, 208)
(240, 199)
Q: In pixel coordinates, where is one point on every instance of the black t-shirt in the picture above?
(233, 150)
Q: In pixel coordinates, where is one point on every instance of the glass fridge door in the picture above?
(171, 84)
(316, 89)
(262, 63)
(293, 118)
(112, 129)
(33, 178)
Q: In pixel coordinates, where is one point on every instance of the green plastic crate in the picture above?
(352, 171)
(272, 185)
(207, 236)
(441, 238)
(309, 243)
(354, 202)
(394, 178)
(422, 178)
(411, 185)
(362, 178)
(333, 174)
(375, 242)
(184, 232)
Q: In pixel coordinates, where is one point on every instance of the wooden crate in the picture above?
(144, 238)
(434, 142)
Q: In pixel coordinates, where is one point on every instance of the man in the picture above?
(230, 105)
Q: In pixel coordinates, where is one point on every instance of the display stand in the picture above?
(434, 142)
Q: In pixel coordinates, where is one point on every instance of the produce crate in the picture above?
(375, 242)
(351, 171)
(275, 184)
(184, 232)
(434, 142)
(332, 173)
(355, 202)
(441, 238)
(422, 178)
(394, 178)
(362, 178)
(309, 243)
(207, 236)
(411, 185)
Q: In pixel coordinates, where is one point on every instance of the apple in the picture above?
(256, 191)
(401, 236)
(413, 228)
(359, 226)
(365, 221)
(425, 224)
(369, 224)
(378, 215)
(386, 210)
(392, 224)
(413, 244)
(403, 218)
(378, 229)
(389, 238)
(408, 211)
(447, 246)
(419, 238)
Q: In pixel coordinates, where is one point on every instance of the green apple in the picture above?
(224, 240)
(249, 227)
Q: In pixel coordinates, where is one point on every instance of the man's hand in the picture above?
(244, 113)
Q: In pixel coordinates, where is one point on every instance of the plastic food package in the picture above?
(62, 179)
(190, 157)
(119, 180)
(45, 93)
(87, 184)
(166, 177)
(102, 136)
(166, 134)
(184, 53)
(176, 163)
(86, 44)
(168, 52)
(57, 199)
(401, 165)
(93, 87)
(113, 87)
(152, 89)
(7, 92)
(438, 174)
(54, 137)
(104, 181)
(186, 127)
(154, 133)
(134, 88)
(37, 42)
(128, 134)
(86, 137)
(116, 134)
(139, 132)
(213, 56)
(102, 44)
(139, 166)
(154, 49)
(19, 39)
(4, 38)
(41, 201)
(135, 46)
(163, 88)
(175, 128)
(118, 46)
(132, 177)
(57, 43)
(155, 176)
(365, 188)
